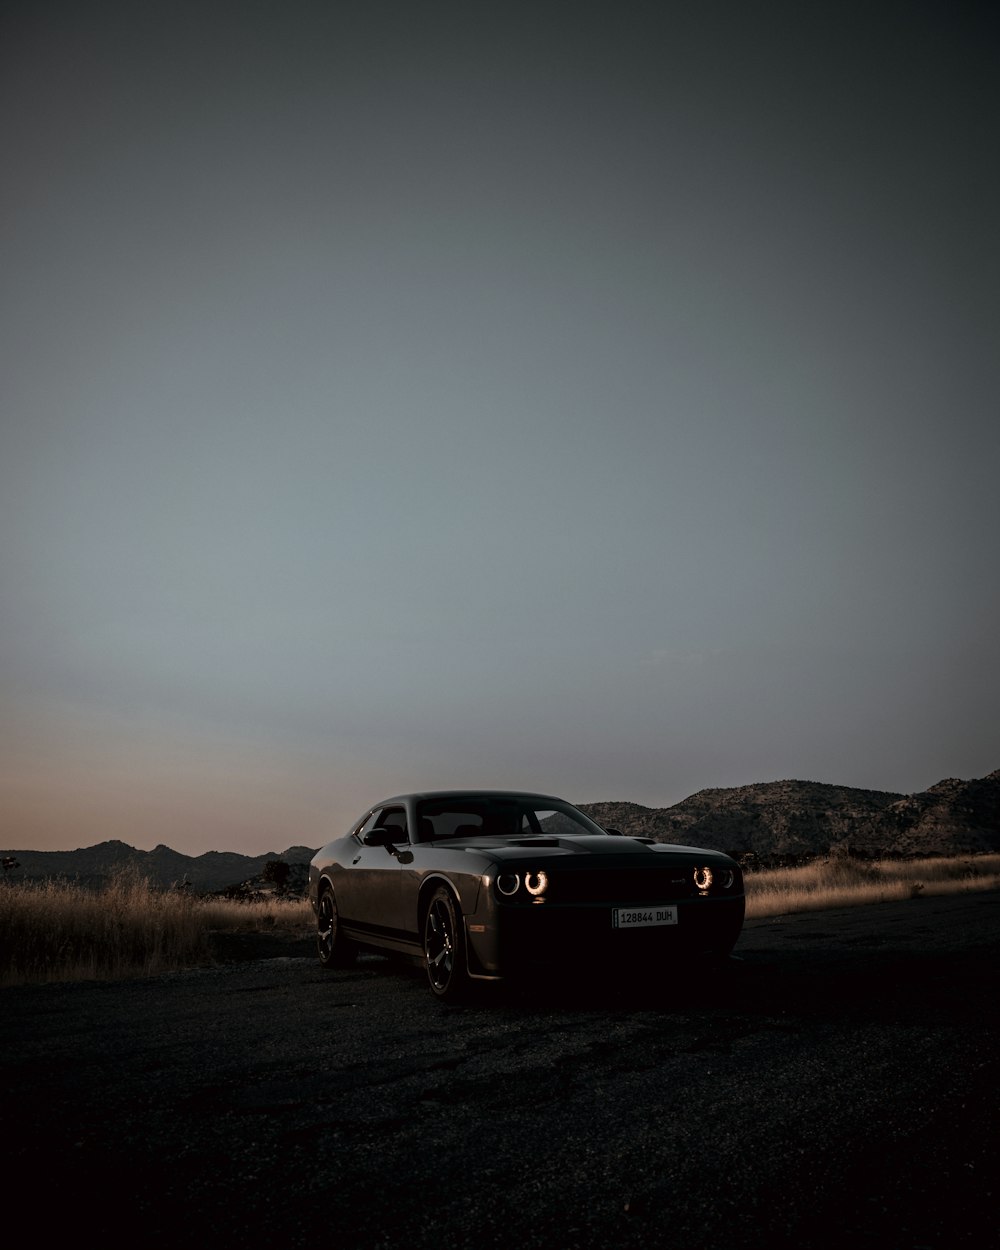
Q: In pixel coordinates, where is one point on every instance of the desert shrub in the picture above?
(276, 871)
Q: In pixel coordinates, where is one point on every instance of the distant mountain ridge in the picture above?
(771, 819)
(215, 870)
(801, 818)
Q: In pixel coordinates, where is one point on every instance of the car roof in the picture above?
(468, 794)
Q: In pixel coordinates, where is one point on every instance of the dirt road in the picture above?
(837, 1088)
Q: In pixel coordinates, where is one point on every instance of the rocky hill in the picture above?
(953, 815)
(787, 819)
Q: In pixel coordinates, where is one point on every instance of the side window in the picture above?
(393, 818)
(366, 824)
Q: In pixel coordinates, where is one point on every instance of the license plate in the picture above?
(642, 917)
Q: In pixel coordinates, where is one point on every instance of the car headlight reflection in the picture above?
(535, 883)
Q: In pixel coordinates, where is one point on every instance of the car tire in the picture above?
(332, 947)
(444, 948)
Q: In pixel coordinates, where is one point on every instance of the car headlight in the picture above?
(726, 878)
(509, 884)
(703, 878)
(535, 883)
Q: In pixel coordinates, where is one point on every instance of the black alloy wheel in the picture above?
(444, 948)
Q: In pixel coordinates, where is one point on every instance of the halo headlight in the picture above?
(535, 882)
(703, 878)
(507, 883)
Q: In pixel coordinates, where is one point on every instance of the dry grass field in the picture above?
(838, 881)
(57, 931)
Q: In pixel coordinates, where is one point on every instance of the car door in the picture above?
(369, 896)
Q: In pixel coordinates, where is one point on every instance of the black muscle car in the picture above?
(481, 885)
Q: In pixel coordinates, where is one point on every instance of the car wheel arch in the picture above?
(426, 893)
(335, 950)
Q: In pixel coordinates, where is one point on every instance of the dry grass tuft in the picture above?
(839, 881)
(58, 931)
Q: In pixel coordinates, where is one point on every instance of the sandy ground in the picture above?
(836, 1087)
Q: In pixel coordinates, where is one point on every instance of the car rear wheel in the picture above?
(444, 948)
(333, 948)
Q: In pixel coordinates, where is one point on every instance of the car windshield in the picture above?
(496, 817)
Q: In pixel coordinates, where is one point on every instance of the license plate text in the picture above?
(642, 917)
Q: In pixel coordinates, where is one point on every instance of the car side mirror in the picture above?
(381, 836)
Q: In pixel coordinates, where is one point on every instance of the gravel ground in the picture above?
(835, 1086)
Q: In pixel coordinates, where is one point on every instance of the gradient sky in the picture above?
(600, 399)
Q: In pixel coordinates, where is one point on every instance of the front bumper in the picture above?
(508, 940)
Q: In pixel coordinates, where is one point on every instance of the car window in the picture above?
(468, 817)
(554, 824)
(454, 823)
(393, 818)
(386, 818)
(367, 823)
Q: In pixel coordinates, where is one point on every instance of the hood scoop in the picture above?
(543, 841)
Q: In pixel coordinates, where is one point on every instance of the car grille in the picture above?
(621, 886)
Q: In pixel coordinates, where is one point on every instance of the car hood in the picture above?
(536, 847)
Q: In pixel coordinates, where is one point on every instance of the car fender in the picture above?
(464, 887)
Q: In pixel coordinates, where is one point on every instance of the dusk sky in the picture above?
(595, 399)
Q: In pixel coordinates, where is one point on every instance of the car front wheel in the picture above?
(444, 948)
(333, 948)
